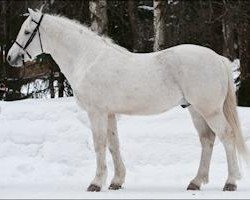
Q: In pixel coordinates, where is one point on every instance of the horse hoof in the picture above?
(94, 188)
(192, 186)
(230, 187)
(114, 186)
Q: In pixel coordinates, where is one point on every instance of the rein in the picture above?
(24, 48)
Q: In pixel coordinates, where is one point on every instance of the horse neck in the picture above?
(69, 44)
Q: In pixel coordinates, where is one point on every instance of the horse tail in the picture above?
(230, 111)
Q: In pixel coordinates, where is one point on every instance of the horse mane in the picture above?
(86, 29)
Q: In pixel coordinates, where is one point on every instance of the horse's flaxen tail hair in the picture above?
(230, 111)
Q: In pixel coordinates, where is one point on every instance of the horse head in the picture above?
(28, 42)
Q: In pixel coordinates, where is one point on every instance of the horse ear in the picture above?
(31, 12)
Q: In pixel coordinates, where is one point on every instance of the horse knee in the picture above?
(100, 147)
(207, 142)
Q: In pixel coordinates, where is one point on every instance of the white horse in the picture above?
(107, 80)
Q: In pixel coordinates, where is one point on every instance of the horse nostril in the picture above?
(9, 58)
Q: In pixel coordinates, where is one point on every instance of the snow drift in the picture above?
(46, 150)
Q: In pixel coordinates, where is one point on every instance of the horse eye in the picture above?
(26, 32)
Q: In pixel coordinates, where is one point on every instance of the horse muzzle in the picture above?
(16, 61)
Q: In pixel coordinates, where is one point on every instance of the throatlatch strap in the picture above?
(32, 37)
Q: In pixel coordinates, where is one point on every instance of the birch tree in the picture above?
(159, 24)
(98, 16)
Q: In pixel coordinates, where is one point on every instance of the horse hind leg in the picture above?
(207, 138)
(220, 126)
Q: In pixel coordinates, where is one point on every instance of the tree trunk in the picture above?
(98, 16)
(244, 49)
(61, 80)
(244, 54)
(228, 33)
(135, 26)
(159, 24)
(4, 22)
(51, 86)
(3, 37)
(84, 14)
(244, 40)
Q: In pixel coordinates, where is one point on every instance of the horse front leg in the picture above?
(114, 149)
(99, 126)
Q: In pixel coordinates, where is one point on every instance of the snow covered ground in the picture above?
(46, 151)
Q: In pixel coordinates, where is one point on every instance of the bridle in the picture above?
(24, 48)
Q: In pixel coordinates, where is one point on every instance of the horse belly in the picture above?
(145, 102)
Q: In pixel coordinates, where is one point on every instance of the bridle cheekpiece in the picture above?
(24, 48)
